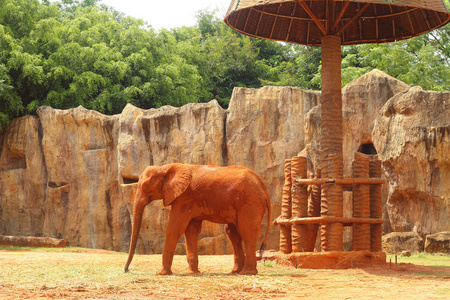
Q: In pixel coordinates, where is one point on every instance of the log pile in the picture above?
(32, 241)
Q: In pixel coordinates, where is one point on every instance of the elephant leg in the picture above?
(236, 241)
(175, 229)
(191, 235)
(249, 231)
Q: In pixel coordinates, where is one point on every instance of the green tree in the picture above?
(226, 59)
(81, 52)
(423, 60)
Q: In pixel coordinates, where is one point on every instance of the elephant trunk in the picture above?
(138, 210)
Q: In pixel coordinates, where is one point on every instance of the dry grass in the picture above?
(92, 274)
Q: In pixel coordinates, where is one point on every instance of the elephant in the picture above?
(233, 195)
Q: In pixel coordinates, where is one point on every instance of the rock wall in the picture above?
(412, 133)
(23, 176)
(70, 173)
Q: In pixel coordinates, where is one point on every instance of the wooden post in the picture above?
(375, 206)
(313, 211)
(332, 205)
(286, 210)
(299, 204)
(361, 203)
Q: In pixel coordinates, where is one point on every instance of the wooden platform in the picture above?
(331, 259)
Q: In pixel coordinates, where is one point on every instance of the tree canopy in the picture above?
(81, 52)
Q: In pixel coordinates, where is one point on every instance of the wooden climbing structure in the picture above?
(304, 211)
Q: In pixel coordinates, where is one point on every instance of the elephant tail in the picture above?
(269, 216)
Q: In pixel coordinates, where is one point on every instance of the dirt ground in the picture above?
(97, 274)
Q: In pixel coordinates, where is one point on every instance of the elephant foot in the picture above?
(164, 272)
(237, 269)
(248, 272)
(192, 271)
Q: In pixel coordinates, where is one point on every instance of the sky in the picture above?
(167, 14)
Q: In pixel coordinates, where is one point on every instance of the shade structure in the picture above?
(330, 24)
(305, 22)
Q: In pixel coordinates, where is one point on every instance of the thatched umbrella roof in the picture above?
(305, 22)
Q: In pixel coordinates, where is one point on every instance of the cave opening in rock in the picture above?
(368, 148)
(130, 180)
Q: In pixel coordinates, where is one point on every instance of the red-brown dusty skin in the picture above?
(234, 195)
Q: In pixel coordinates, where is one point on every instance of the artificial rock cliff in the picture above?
(70, 173)
(412, 133)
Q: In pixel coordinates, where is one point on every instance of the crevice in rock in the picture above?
(130, 180)
(96, 149)
(224, 142)
(125, 228)
(109, 217)
(41, 149)
(56, 185)
(145, 123)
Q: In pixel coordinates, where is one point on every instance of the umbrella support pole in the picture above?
(331, 159)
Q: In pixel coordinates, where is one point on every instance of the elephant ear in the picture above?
(176, 180)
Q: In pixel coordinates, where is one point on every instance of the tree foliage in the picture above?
(423, 60)
(81, 52)
(227, 59)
